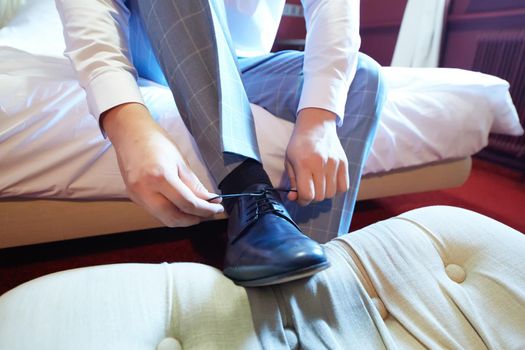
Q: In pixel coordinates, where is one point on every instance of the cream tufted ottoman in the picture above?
(436, 277)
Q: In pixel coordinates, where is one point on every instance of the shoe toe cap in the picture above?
(302, 252)
(291, 255)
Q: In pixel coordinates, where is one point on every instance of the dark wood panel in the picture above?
(381, 11)
(493, 20)
(380, 23)
(463, 31)
(379, 43)
(492, 5)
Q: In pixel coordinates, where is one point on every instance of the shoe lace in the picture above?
(264, 203)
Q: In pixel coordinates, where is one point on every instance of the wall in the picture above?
(380, 22)
(489, 36)
(468, 19)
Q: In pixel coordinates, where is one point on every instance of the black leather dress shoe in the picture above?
(265, 246)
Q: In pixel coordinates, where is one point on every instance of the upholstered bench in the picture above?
(436, 277)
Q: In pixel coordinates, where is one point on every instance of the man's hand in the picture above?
(155, 173)
(315, 160)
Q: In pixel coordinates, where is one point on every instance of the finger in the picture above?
(319, 185)
(343, 181)
(331, 179)
(216, 200)
(185, 200)
(165, 211)
(191, 180)
(292, 195)
(305, 186)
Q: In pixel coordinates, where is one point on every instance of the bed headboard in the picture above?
(7, 9)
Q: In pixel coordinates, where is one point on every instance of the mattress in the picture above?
(50, 147)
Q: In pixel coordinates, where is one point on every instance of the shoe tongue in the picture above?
(268, 201)
(229, 203)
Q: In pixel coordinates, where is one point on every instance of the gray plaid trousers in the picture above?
(192, 43)
(223, 129)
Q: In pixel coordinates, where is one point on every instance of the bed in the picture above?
(59, 177)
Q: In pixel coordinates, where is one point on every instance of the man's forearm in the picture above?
(126, 119)
(95, 33)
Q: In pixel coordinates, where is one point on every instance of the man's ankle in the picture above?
(248, 173)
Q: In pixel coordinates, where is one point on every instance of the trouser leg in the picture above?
(330, 310)
(275, 82)
(222, 124)
(191, 41)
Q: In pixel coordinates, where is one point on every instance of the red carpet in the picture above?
(490, 190)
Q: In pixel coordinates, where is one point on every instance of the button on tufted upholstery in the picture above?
(439, 277)
(456, 273)
(291, 338)
(448, 277)
(169, 344)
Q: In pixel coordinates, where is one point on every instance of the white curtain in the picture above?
(419, 40)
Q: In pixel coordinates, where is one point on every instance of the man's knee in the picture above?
(369, 71)
(369, 74)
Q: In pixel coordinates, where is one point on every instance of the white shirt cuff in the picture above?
(111, 89)
(326, 93)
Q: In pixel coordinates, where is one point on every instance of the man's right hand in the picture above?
(155, 173)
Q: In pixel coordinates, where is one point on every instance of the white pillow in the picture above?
(486, 96)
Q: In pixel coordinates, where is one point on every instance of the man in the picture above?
(331, 93)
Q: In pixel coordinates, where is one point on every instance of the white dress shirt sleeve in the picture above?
(96, 35)
(331, 49)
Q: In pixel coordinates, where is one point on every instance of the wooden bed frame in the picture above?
(31, 221)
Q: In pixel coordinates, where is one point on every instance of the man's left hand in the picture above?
(315, 160)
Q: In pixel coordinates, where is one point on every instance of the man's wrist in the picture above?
(124, 118)
(316, 116)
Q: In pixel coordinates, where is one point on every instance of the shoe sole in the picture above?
(284, 277)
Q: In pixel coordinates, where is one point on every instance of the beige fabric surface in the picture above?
(439, 277)
(448, 278)
(127, 306)
(8, 9)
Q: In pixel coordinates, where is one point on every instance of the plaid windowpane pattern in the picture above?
(212, 91)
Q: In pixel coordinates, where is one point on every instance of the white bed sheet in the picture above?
(50, 147)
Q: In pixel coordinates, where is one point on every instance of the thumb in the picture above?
(191, 180)
(293, 184)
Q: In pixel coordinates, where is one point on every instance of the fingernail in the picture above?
(217, 201)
